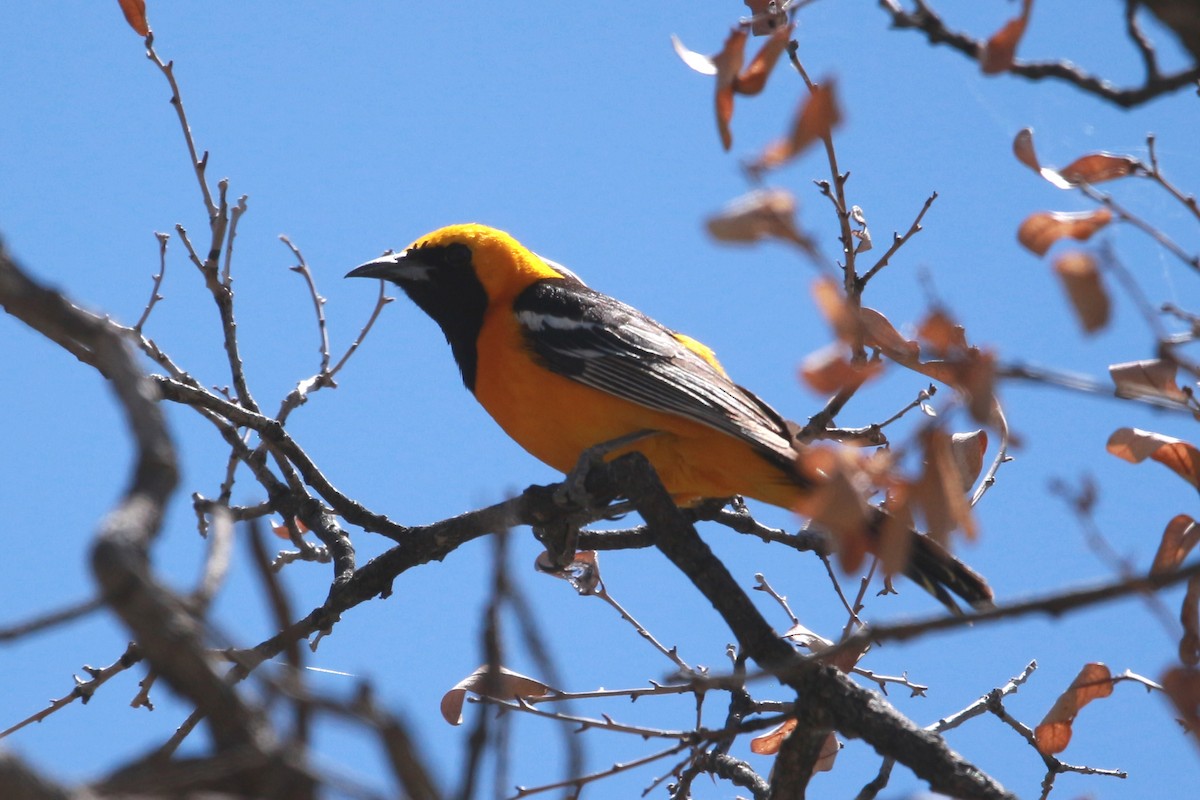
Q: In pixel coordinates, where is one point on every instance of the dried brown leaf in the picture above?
(829, 750)
(829, 370)
(816, 119)
(1081, 280)
(837, 505)
(968, 450)
(1054, 733)
(1182, 685)
(808, 639)
(752, 79)
(1024, 151)
(1042, 229)
(845, 658)
(1150, 378)
(938, 492)
(1189, 615)
(728, 63)
(768, 744)
(895, 537)
(941, 332)
(281, 530)
(507, 685)
(1135, 445)
(135, 15)
(879, 332)
(1001, 48)
(1099, 167)
(1181, 535)
(760, 214)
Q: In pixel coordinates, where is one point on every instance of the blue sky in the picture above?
(356, 127)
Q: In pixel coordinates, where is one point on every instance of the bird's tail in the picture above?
(938, 572)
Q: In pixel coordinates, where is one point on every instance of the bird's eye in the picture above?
(456, 255)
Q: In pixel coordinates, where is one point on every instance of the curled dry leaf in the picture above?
(1001, 48)
(1181, 535)
(1054, 732)
(842, 660)
(1189, 615)
(829, 750)
(942, 333)
(507, 685)
(968, 449)
(895, 538)
(1179, 538)
(1024, 151)
(135, 15)
(968, 369)
(938, 493)
(768, 744)
(1090, 168)
(837, 505)
(1150, 378)
(752, 79)
(760, 214)
(281, 529)
(583, 573)
(816, 119)
(808, 639)
(1182, 685)
(1042, 229)
(728, 63)
(1081, 281)
(1100, 167)
(829, 370)
(1135, 446)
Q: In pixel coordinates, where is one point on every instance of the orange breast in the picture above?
(555, 419)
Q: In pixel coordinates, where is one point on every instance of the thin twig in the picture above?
(898, 241)
(83, 690)
(162, 238)
(1002, 457)
(936, 31)
(763, 586)
(1155, 174)
(50, 619)
(1054, 604)
(1125, 215)
(615, 769)
(318, 301)
(199, 164)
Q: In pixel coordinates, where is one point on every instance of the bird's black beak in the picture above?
(387, 267)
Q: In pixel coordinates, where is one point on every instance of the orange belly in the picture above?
(555, 419)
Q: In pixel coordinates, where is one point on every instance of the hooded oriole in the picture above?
(563, 368)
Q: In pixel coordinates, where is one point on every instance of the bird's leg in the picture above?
(573, 492)
(560, 535)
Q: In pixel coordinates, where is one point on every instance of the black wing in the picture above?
(605, 344)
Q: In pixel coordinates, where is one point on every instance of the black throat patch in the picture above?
(450, 292)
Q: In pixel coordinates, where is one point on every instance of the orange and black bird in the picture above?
(563, 368)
